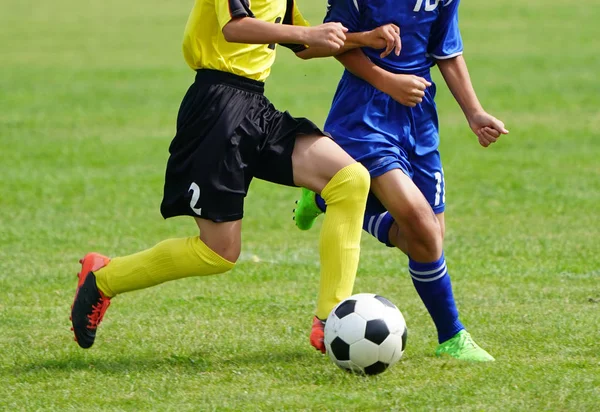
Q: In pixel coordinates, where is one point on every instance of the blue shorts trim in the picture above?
(389, 165)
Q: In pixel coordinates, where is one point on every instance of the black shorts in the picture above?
(227, 133)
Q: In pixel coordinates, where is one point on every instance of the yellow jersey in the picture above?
(205, 47)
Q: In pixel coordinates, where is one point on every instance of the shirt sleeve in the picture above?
(445, 40)
(229, 9)
(346, 12)
(294, 17)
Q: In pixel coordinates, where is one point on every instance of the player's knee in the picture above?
(230, 252)
(429, 231)
(359, 185)
(349, 186)
(430, 236)
(423, 225)
(228, 248)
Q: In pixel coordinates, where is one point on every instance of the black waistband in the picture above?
(217, 76)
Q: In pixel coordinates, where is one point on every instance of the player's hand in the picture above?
(386, 36)
(330, 36)
(487, 128)
(406, 89)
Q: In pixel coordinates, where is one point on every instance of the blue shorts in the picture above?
(384, 135)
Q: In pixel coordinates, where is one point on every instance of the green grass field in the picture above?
(89, 92)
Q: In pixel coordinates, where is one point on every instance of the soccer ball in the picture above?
(365, 334)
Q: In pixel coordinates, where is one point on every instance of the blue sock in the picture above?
(320, 202)
(376, 224)
(432, 282)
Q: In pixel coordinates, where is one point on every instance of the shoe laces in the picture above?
(97, 314)
(466, 342)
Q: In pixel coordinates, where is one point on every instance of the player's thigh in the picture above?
(428, 175)
(403, 199)
(224, 238)
(316, 159)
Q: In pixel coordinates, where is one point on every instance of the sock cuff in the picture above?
(352, 181)
(102, 285)
(208, 255)
(419, 266)
(379, 227)
(428, 272)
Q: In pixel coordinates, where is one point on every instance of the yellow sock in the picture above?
(169, 260)
(346, 197)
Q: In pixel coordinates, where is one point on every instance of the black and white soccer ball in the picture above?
(365, 334)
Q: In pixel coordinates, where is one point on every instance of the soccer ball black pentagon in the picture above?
(365, 334)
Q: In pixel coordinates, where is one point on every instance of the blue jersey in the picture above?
(428, 29)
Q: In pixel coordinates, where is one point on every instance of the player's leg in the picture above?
(196, 184)
(418, 230)
(214, 251)
(295, 152)
(415, 224)
(429, 177)
(323, 167)
(389, 233)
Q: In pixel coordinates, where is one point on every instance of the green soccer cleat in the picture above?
(306, 211)
(463, 347)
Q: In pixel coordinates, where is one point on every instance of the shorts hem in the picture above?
(439, 209)
(386, 167)
(211, 217)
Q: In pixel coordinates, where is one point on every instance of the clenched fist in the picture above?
(330, 36)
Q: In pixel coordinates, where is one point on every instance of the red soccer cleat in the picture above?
(317, 334)
(90, 303)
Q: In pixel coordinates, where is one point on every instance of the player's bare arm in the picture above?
(456, 74)
(406, 89)
(328, 36)
(386, 37)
